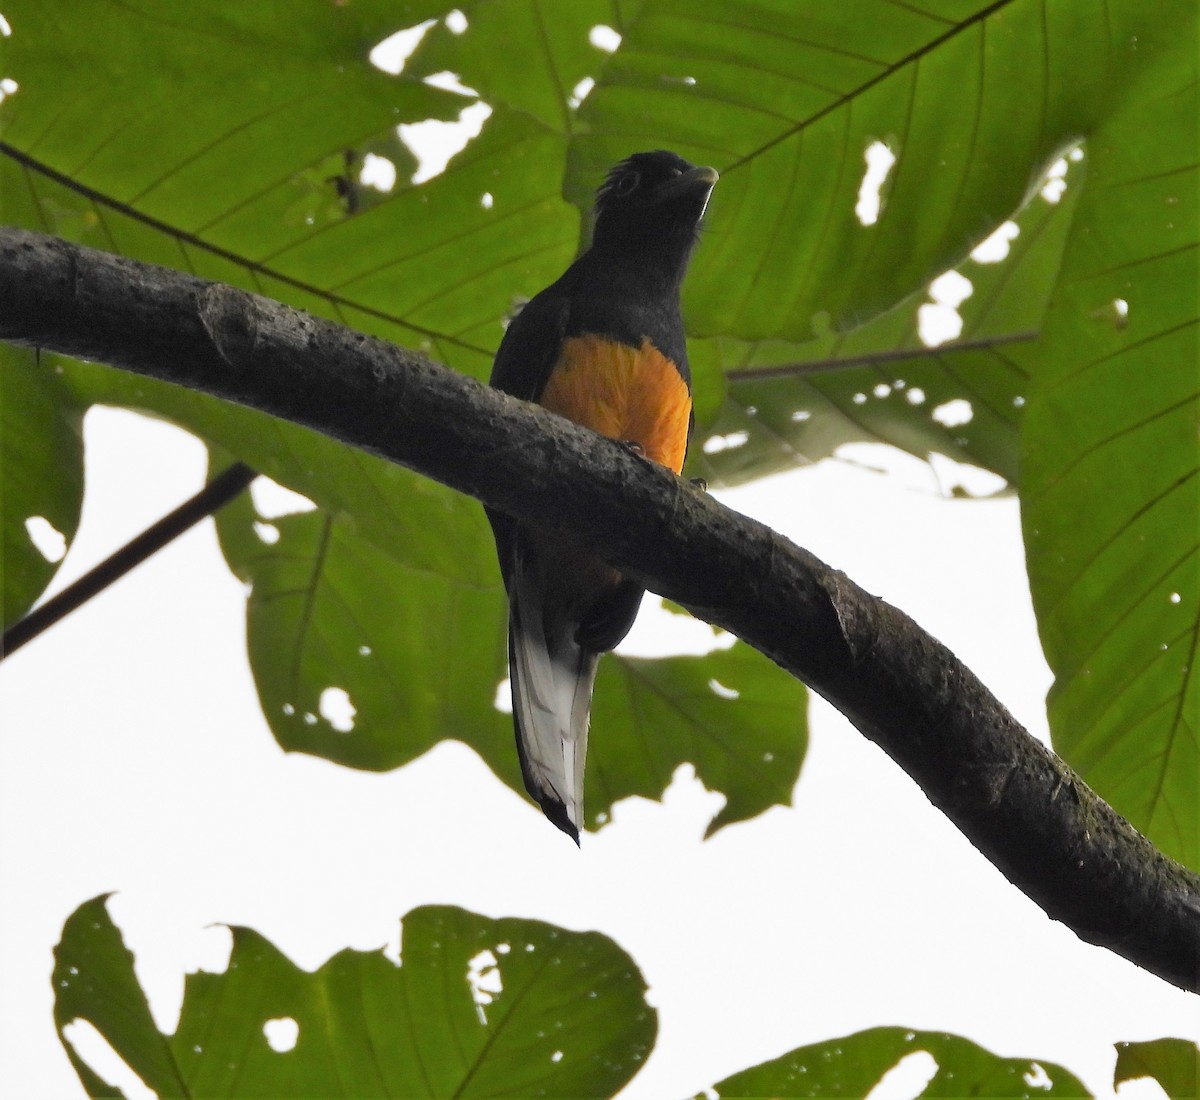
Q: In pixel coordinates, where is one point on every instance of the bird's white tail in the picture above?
(552, 679)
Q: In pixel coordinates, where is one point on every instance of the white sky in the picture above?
(135, 759)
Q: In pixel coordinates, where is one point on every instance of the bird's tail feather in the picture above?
(552, 678)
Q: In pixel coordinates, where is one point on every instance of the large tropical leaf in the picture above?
(853, 1066)
(1111, 498)
(787, 98)
(370, 658)
(794, 404)
(479, 1008)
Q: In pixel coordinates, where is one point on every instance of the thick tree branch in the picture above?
(1030, 814)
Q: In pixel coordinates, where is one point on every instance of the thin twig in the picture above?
(217, 493)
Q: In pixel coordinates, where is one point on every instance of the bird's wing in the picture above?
(525, 359)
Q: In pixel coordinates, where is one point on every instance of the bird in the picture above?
(604, 346)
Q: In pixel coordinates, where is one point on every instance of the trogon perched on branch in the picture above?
(603, 346)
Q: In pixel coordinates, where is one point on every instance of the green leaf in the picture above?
(738, 718)
(852, 1066)
(536, 81)
(41, 466)
(416, 641)
(1111, 492)
(792, 404)
(1173, 1063)
(786, 100)
(94, 980)
(565, 1016)
(251, 192)
(264, 97)
(418, 644)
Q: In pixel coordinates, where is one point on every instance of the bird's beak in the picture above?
(693, 180)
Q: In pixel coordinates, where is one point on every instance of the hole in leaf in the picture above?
(484, 981)
(337, 709)
(392, 54)
(47, 539)
(96, 1051)
(434, 142)
(995, 248)
(939, 320)
(1056, 181)
(604, 38)
(907, 1079)
(502, 700)
(378, 172)
(1036, 1077)
(272, 500)
(954, 413)
(879, 160)
(281, 1034)
(717, 443)
(580, 92)
(721, 691)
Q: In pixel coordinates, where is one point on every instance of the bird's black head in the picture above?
(652, 203)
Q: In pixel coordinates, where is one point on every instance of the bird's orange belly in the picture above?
(627, 393)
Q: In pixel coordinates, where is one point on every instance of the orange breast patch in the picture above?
(635, 394)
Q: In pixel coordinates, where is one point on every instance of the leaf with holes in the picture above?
(479, 1007)
(540, 79)
(853, 1066)
(1111, 489)
(41, 461)
(253, 191)
(369, 658)
(787, 101)
(792, 405)
(734, 715)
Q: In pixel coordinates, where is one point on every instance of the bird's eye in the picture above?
(627, 184)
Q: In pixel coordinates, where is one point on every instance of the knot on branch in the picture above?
(230, 320)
